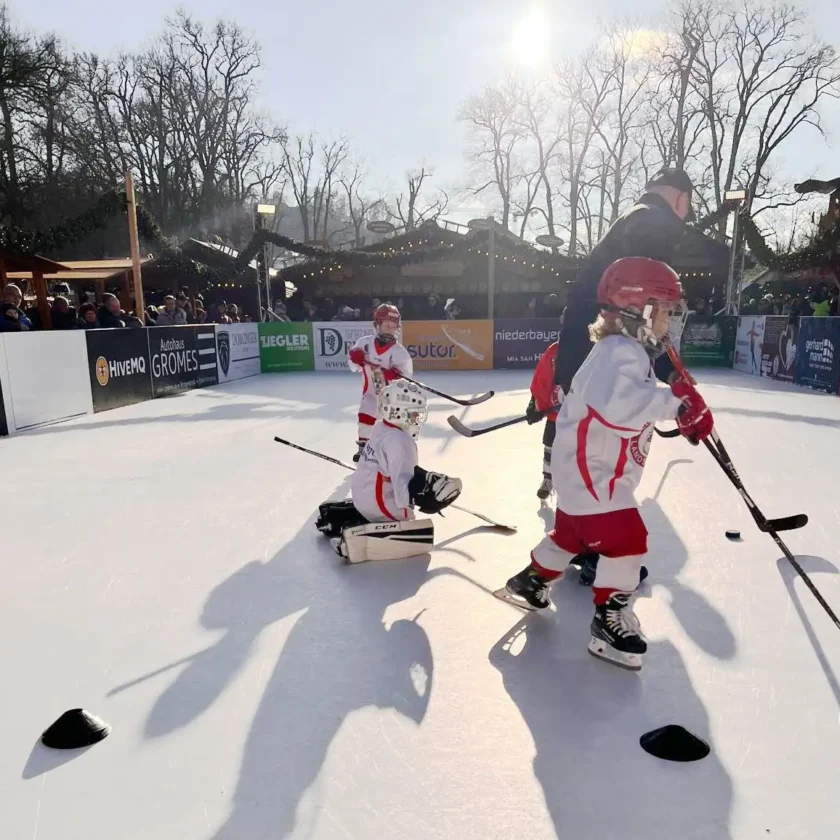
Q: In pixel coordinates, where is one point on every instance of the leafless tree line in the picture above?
(718, 91)
(182, 115)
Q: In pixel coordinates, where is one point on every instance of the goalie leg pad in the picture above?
(334, 517)
(387, 540)
(432, 492)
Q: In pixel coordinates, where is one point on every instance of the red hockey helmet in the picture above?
(634, 290)
(387, 321)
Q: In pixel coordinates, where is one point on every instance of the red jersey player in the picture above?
(604, 429)
(544, 395)
(381, 359)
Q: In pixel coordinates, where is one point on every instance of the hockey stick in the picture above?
(784, 523)
(474, 401)
(338, 463)
(466, 431)
(720, 454)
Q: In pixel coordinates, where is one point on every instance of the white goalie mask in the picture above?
(403, 404)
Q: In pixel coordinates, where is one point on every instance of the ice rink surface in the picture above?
(160, 568)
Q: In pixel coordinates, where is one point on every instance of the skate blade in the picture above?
(601, 650)
(503, 595)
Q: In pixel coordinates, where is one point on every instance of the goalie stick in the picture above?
(466, 431)
(474, 401)
(492, 522)
(719, 453)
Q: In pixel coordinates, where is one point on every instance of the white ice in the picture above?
(160, 568)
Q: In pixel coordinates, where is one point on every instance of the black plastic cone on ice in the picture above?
(75, 729)
(674, 743)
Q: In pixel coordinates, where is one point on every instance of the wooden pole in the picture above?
(125, 292)
(41, 294)
(135, 245)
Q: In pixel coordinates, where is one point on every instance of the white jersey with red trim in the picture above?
(380, 483)
(605, 426)
(392, 355)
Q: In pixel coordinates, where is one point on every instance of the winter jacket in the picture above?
(107, 320)
(542, 385)
(177, 318)
(648, 229)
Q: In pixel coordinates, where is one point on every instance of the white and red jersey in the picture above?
(380, 483)
(388, 356)
(605, 427)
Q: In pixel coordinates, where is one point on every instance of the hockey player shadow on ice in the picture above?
(810, 566)
(586, 716)
(340, 656)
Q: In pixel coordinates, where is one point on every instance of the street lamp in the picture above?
(260, 212)
(736, 198)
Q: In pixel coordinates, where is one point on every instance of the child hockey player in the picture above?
(603, 436)
(544, 395)
(381, 359)
(387, 484)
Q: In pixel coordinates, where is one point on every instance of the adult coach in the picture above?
(653, 227)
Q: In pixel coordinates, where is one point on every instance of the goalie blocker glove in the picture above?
(431, 492)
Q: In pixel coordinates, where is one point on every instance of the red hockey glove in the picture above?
(357, 356)
(391, 374)
(694, 419)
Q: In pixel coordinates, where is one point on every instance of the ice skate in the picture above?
(616, 633)
(545, 488)
(527, 590)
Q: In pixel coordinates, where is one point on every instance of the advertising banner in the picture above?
(333, 340)
(748, 344)
(709, 341)
(119, 367)
(285, 347)
(182, 358)
(518, 343)
(449, 345)
(774, 328)
(818, 354)
(784, 363)
(237, 351)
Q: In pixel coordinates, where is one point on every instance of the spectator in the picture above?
(233, 313)
(280, 313)
(87, 317)
(131, 320)
(653, 227)
(451, 310)
(109, 313)
(151, 315)
(63, 315)
(169, 315)
(832, 301)
(13, 321)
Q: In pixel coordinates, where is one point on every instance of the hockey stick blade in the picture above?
(785, 523)
(510, 529)
(466, 431)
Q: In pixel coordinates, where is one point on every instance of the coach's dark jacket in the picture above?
(648, 229)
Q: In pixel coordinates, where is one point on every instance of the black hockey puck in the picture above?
(674, 743)
(733, 535)
(75, 729)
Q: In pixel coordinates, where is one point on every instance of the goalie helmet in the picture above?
(403, 404)
(643, 297)
(387, 322)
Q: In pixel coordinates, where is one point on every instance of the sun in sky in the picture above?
(529, 43)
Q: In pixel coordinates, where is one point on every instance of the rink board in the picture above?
(162, 570)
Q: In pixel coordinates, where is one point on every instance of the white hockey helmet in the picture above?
(403, 404)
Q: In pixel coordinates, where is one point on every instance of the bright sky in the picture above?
(392, 74)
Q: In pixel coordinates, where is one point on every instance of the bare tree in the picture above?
(360, 208)
(410, 210)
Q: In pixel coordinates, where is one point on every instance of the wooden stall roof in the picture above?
(27, 264)
(78, 270)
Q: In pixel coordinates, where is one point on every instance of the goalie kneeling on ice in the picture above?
(387, 540)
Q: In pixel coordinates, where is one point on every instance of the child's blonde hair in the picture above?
(603, 327)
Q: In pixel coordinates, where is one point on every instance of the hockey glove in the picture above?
(531, 414)
(432, 492)
(694, 419)
(392, 374)
(357, 356)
